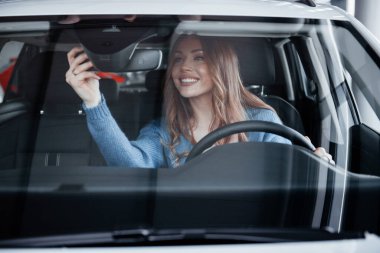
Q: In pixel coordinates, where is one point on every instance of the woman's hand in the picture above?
(321, 152)
(84, 82)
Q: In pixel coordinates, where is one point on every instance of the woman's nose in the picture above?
(186, 64)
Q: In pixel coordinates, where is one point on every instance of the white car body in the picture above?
(267, 8)
(264, 8)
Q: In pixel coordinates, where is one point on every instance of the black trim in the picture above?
(310, 3)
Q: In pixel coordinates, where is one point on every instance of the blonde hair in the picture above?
(230, 99)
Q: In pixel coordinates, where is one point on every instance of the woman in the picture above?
(202, 92)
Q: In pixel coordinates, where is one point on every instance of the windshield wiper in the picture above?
(179, 236)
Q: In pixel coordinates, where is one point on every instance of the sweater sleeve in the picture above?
(117, 149)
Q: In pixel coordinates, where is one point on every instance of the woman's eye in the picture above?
(177, 59)
(199, 58)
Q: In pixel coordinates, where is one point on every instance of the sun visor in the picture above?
(115, 49)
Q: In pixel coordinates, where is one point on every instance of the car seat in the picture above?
(259, 73)
(57, 118)
(152, 101)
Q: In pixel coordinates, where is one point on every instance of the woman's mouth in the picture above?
(188, 81)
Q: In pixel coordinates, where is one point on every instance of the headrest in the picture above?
(58, 91)
(47, 71)
(256, 60)
(154, 80)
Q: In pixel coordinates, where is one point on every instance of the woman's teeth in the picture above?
(189, 80)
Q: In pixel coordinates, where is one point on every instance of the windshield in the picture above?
(105, 121)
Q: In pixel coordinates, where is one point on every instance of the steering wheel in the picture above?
(249, 126)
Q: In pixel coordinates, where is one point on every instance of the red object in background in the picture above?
(109, 75)
(6, 74)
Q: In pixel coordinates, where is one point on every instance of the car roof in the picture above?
(261, 8)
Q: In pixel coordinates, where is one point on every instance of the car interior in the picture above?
(50, 149)
(45, 104)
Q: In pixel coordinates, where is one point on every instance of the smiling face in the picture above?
(190, 72)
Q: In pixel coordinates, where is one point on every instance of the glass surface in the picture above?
(54, 180)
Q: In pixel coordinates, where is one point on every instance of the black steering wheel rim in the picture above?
(249, 126)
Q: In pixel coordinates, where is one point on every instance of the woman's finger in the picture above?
(69, 75)
(86, 75)
(72, 54)
(81, 58)
(74, 80)
(321, 152)
(83, 67)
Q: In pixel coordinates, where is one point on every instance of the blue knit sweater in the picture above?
(150, 150)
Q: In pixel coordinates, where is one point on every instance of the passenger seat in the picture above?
(62, 137)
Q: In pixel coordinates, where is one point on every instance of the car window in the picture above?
(362, 74)
(101, 144)
(8, 58)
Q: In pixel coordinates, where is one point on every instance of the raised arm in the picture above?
(116, 148)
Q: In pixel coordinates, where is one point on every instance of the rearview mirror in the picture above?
(127, 60)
